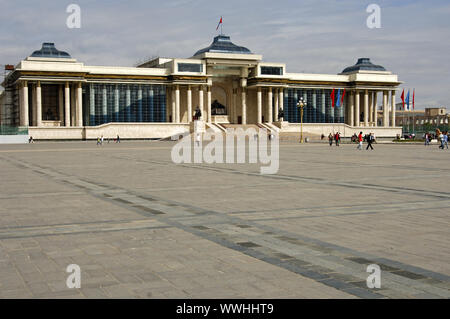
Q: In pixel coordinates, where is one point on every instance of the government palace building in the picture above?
(57, 97)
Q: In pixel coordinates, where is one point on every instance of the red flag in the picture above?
(403, 99)
(414, 93)
(343, 94)
(332, 98)
(219, 23)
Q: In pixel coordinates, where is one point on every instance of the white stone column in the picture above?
(244, 106)
(61, 104)
(259, 105)
(24, 120)
(281, 99)
(189, 104)
(208, 101)
(104, 105)
(385, 109)
(275, 107)
(357, 111)
(393, 108)
(270, 105)
(91, 105)
(38, 104)
(370, 109)
(177, 104)
(366, 108)
(79, 114)
(174, 106)
(73, 103)
(375, 109)
(351, 109)
(116, 104)
(200, 101)
(67, 104)
(234, 107)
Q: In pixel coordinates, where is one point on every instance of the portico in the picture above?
(228, 83)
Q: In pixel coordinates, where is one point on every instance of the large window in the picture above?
(318, 107)
(136, 103)
(271, 70)
(190, 67)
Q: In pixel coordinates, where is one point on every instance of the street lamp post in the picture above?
(301, 104)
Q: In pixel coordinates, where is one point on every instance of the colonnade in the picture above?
(70, 104)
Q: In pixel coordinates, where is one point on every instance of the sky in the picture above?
(311, 36)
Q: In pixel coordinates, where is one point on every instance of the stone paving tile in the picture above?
(227, 231)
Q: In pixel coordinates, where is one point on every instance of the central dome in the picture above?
(223, 44)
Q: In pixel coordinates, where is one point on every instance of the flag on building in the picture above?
(332, 98)
(338, 98)
(220, 22)
(407, 100)
(403, 99)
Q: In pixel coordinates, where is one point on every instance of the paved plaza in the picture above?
(140, 226)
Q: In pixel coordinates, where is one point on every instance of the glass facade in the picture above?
(271, 70)
(190, 67)
(318, 106)
(134, 103)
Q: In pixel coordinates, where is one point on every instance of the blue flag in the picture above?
(407, 100)
(338, 102)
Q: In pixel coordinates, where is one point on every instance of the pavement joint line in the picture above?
(181, 206)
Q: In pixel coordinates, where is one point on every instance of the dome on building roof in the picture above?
(363, 64)
(223, 44)
(48, 50)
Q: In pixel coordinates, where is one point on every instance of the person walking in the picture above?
(370, 140)
(441, 138)
(118, 139)
(427, 139)
(337, 138)
(98, 140)
(330, 139)
(360, 141)
(445, 137)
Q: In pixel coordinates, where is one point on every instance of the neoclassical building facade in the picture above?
(58, 97)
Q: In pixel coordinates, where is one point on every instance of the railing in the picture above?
(13, 130)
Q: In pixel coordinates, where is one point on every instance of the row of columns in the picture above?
(275, 94)
(369, 108)
(66, 98)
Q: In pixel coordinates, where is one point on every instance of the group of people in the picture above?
(441, 136)
(334, 137)
(360, 138)
(100, 140)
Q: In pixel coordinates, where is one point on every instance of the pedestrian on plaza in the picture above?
(427, 139)
(441, 138)
(370, 140)
(118, 139)
(445, 137)
(98, 140)
(330, 139)
(360, 141)
(337, 138)
(101, 140)
(30, 140)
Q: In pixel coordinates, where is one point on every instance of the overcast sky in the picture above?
(313, 36)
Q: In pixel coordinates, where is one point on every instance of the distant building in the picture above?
(57, 97)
